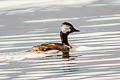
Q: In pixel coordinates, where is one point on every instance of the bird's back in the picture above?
(48, 46)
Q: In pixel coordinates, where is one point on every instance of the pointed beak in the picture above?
(76, 30)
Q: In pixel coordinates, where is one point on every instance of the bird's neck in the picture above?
(64, 38)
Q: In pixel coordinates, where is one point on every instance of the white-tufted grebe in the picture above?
(66, 29)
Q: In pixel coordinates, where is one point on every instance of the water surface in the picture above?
(95, 54)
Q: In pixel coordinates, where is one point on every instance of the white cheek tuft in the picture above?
(65, 28)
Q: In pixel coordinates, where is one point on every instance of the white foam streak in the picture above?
(115, 2)
(20, 12)
(97, 5)
(26, 35)
(3, 64)
(1, 26)
(99, 60)
(29, 38)
(105, 65)
(3, 77)
(18, 56)
(9, 48)
(97, 73)
(51, 20)
(103, 19)
(95, 34)
(104, 78)
(29, 78)
(8, 72)
(41, 3)
(102, 25)
(85, 48)
(103, 40)
(18, 42)
(96, 55)
(107, 42)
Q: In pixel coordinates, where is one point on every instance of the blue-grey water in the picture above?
(96, 49)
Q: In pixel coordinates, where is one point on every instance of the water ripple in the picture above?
(95, 55)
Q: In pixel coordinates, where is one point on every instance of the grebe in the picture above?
(66, 29)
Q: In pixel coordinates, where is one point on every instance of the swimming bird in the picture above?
(64, 46)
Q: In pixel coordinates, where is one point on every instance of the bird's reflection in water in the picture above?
(68, 63)
(65, 54)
